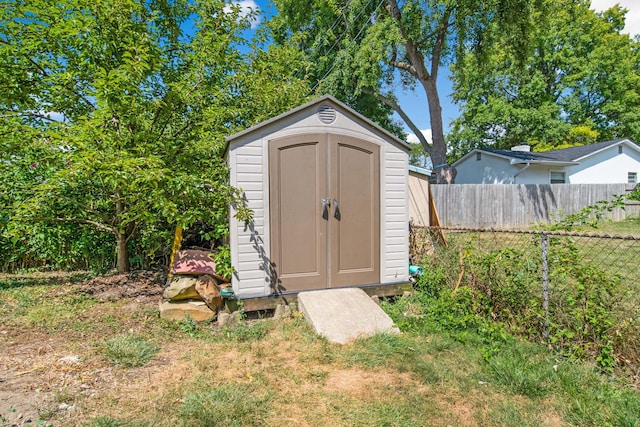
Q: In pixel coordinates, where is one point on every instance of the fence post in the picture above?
(545, 285)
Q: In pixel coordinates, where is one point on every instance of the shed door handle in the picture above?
(325, 207)
(336, 212)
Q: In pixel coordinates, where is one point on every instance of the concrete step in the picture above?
(345, 314)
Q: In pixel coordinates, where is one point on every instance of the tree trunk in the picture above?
(438, 149)
(122, 238)
(444, 173)
(122, 253)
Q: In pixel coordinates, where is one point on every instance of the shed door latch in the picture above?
(326, 203)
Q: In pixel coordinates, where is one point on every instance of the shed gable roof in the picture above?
(326, 100)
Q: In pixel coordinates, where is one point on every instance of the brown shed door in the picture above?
(325, 212)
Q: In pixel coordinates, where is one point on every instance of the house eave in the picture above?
(541, 162)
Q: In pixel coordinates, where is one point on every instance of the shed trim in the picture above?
(325, 98)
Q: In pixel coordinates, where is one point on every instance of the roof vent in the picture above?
(524, 147)
(327, 114)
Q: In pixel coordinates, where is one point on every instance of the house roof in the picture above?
(578, 153)
(562, 157)
(526, 156)
(326, 99)
(419, 170)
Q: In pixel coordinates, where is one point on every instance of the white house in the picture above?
(609, 162)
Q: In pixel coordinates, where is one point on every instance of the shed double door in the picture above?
(324, 212)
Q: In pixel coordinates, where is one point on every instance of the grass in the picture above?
(272, 373)
(628, 227)
(228, 404)
(130, 351)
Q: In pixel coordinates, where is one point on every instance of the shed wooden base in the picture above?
(272, 301)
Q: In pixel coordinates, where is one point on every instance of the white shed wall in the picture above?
(249, 170)
(394, 219)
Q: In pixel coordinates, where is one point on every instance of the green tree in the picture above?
(364, 50)
(120, 108)
(580, 81)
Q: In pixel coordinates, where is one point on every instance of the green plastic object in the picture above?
(227, 292)
(416, 270)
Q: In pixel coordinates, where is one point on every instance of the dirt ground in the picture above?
(42, 373)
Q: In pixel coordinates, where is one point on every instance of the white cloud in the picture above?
(413, 139)
(246, 7)
(632, 22)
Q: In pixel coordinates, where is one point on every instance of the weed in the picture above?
(130, 351)
(47, 413)
(107, 422)
(228, 405)
(318, 376)
(190, 326)
(245, 331)
(63, 396)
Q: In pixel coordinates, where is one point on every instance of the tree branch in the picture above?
(437, 47)
(415, 56)
(389, 102)
(46, 74)
(29, 114)
(405, 66)
(70, 89)
(98, 225)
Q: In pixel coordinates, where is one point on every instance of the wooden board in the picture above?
(271, 302)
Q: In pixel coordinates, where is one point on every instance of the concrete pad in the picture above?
(342, 315)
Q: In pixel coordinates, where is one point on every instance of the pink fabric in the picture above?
(193, 262)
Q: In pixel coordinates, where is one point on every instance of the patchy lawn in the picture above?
(95, 353)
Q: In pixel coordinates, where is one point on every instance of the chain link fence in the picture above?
(578, 292)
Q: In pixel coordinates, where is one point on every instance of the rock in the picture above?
(281, 311)
(236, 317)
(71, 360)
(181, 288)
(223, 318)
(179, 310)
(229, 319)
(376, 299)
(207, 288)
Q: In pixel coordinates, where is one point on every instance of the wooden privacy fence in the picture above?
(522, 205)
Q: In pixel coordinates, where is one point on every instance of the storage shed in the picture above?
(329, 192)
